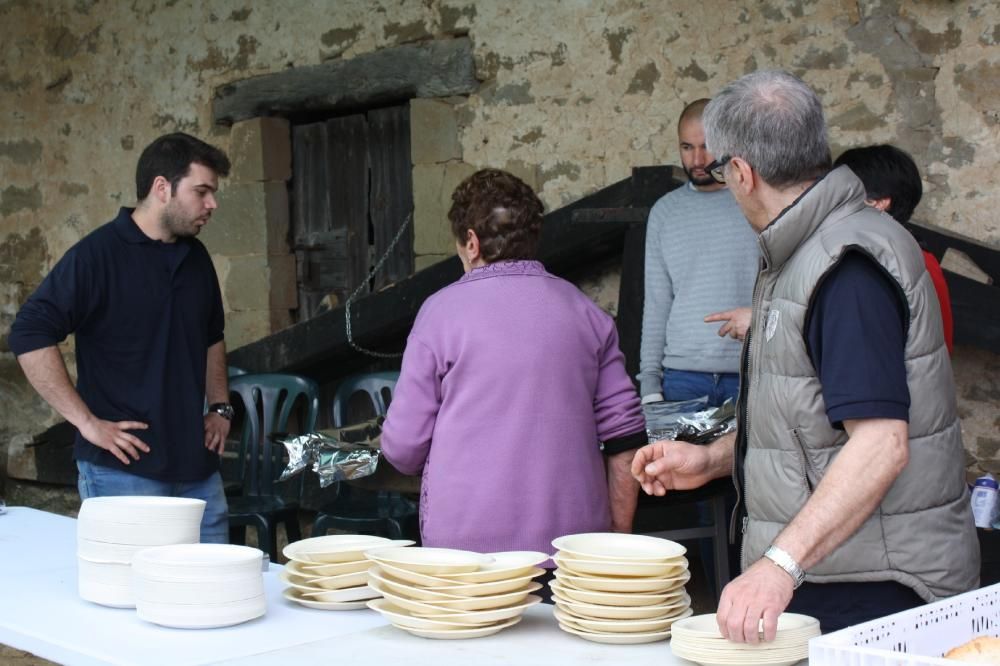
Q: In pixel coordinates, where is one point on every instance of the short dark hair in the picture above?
(171, 156)
(887, 171)
(693, 110)
(503, 210)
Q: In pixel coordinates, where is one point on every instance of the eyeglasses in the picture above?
(717, 169)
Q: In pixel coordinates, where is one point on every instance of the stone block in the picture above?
(280, 320)
(260, 149)
(284, 285)
(246, 326)
(432, 188)
(422, 261)
(252, 218)
(247, 285)
(21, 458)
(433, 132)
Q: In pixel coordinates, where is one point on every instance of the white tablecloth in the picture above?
(40, 612)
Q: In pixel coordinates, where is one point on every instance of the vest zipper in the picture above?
(796, 435)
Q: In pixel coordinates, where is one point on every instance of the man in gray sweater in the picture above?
(701, 258)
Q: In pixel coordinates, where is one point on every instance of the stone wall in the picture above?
(573, 95)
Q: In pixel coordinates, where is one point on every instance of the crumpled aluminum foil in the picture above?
(333, 460)
(689, 420)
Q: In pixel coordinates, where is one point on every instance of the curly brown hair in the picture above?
(504, 212)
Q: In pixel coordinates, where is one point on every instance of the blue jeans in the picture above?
(687, 385)
(99, 481)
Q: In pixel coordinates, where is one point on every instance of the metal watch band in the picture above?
(223, 409)
(785, 561)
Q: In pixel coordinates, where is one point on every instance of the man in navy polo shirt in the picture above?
(141, 296)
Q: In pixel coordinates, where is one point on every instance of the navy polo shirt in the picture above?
(855, 335)
(144, 314)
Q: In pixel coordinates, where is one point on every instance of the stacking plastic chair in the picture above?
(363, 511)
(268, 401)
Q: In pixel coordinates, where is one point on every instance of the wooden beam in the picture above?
(318, 348)
(437, 68)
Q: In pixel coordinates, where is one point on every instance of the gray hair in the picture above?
(774, 121)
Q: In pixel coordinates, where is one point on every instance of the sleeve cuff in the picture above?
(625, 443)
(652, 397)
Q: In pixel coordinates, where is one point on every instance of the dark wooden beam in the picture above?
(318, 348)
(437, 68)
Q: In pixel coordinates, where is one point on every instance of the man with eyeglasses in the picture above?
(701, 257)
(853, 505)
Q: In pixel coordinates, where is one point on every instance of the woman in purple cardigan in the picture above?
(513, 400)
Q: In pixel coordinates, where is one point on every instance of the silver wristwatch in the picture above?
(785, 561)
(223, 409)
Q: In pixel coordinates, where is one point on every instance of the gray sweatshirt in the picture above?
(701, 257)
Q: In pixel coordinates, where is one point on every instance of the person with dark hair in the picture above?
(853, 504)
(892, 183)
(141, 297)
(701, 257)
(513, 401)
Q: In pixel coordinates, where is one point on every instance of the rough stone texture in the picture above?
(252, 218)
(433, 132)
(432, 188)
(260, 149)
(576, 93)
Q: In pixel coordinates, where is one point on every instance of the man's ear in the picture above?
(741, 176)
(882, 203)
(161, 189)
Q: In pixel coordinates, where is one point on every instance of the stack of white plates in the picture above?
(698, 639)
(444, 593)
(111, 530)
(619, 588)
(331, 572)
(198, 586)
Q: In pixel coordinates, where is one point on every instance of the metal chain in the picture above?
(364, 283)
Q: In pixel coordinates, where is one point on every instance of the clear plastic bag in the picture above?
(689, 420)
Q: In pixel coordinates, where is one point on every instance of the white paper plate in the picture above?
(789, 624)
(329, 583)
(622, 585)
(336, 548)
(142, 510)
(617, 639)
(146, 534)
(432, 561)
(108, 573)
(197, 592)
(505, 564)
(619, 626)
(599, 612)
(410, 591)
(494, 587)
(615, 598)
(402, 618)
(618, 547)
(115, 596)
(458, 634)
(321, 570)
(198, 562)
(467, 604)
(360, 593)
(98, 551)
(201, 616)
(623, 568)
(293, 595)
(479, 618)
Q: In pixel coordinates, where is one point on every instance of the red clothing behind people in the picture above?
(941, 287)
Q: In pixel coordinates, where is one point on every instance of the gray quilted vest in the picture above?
(922, 534)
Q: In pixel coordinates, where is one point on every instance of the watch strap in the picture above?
(223, 409)
(786, 562)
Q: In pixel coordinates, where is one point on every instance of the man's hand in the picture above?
(737, 321)
(216, 431)
(113, 437)
(762, 592)
(670, 465)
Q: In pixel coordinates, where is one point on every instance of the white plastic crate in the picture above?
(918, 636)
